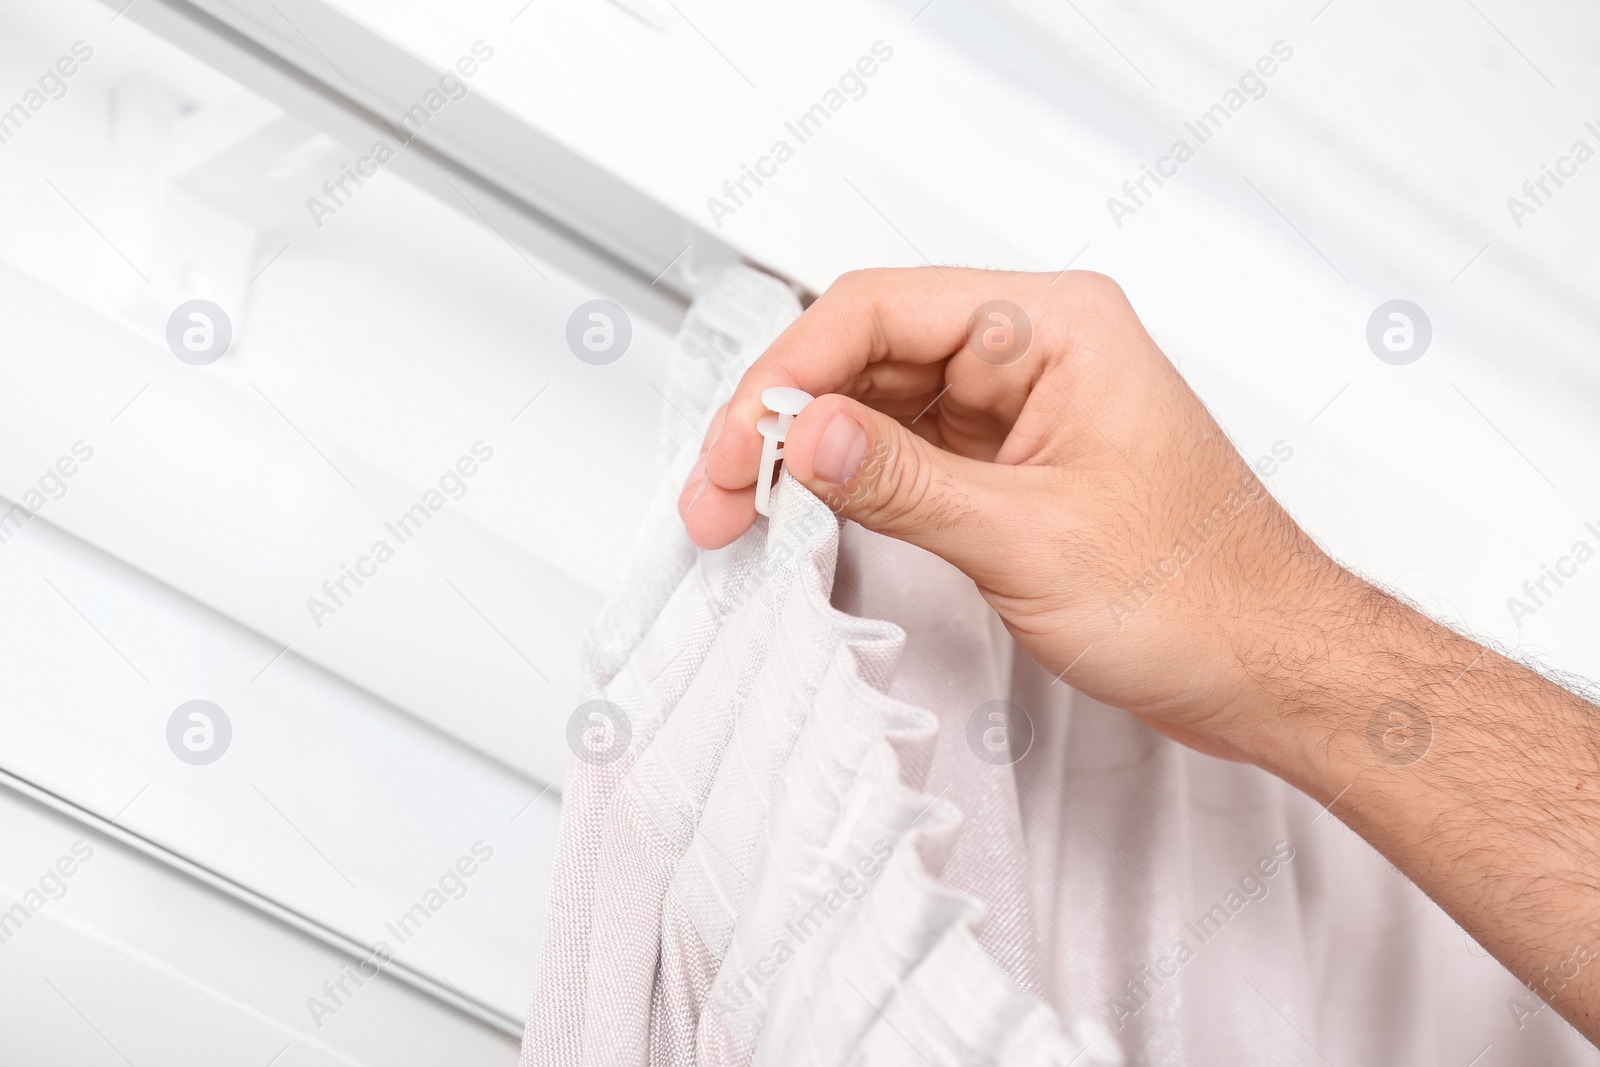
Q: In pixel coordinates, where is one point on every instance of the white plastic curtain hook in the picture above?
(787, 403)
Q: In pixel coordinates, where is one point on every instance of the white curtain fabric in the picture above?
(837, 817)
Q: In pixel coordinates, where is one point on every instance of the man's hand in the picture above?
(1027, 429)
(1078, 480)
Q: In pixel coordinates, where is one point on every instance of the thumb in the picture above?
(868, 467)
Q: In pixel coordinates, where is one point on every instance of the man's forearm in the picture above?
(1477, 777)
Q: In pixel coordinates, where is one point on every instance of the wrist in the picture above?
(1339, 679)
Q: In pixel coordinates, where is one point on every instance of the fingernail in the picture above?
(717, 426)
(697, 479)
(840, 451)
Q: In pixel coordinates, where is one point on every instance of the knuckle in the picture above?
(854, 282)
(898, 490)
(1096, 286)
(852, 300)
